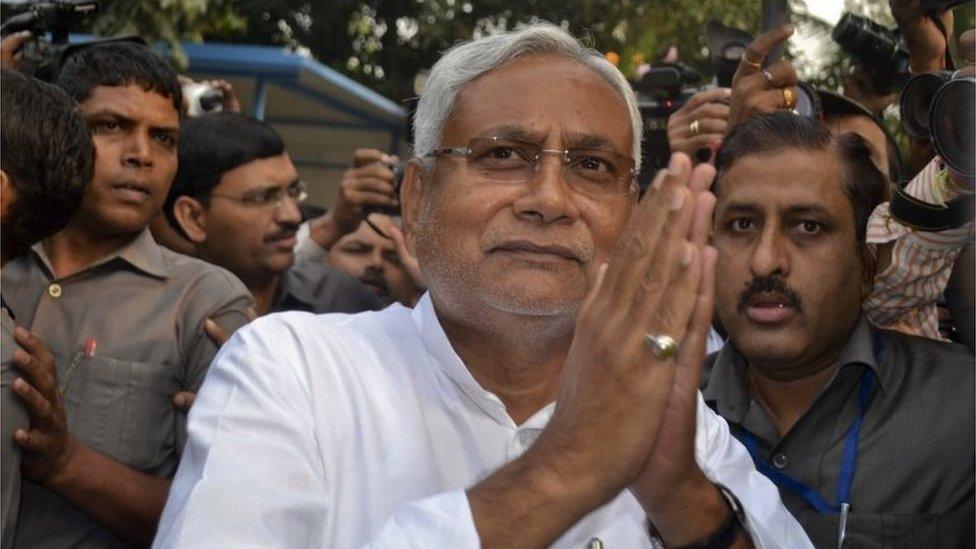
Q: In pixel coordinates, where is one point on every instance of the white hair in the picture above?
(465, 62)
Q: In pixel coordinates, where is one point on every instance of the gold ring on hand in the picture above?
(789, 98)
(751, 62)
(694, 127)
(663, 346)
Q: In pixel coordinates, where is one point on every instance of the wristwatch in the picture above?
(724, 536)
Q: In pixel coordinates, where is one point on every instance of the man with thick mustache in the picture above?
(123, 317)
(236, 198)
(543, 391)
(868, 433)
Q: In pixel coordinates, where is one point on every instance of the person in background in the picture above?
(362, 235)
(371, 254)
(868, 433)
(123, 317)
(164, 232)
(236, 198)
(46, 160)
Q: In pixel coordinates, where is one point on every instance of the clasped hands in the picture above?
(626, 418)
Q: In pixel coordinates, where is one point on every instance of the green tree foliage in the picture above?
(383, 44)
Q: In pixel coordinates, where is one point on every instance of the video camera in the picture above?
(39, 58)
(660, 92)
(875, 48)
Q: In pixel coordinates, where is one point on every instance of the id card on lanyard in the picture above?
(845, 477)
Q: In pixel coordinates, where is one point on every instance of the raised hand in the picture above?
(757, 90)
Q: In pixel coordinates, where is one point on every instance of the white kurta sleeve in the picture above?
(252, 474)
(443, 520)
(725, 460)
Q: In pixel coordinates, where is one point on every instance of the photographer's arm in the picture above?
(369, 183)
(126, 502)
(927, 49)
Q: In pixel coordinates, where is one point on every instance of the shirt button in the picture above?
(594, 543)
(779, 461)
(54, 290)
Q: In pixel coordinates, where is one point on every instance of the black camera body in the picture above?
(39, 58)
(660, 92)
(876, 48)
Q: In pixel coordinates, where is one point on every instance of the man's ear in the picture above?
(7, 194)
(192, 217)
(411, 197)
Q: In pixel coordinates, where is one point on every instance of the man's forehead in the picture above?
(782, 179)
(132, 101)
(527, 95)
(271, 171)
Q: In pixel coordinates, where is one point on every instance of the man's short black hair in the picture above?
(864, 184)
(119, 64)
(48, 155)
(212, 145)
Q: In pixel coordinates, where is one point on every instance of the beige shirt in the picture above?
(127, 333)
(13, 416)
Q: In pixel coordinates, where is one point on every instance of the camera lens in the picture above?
(916, 101)
(952, 124)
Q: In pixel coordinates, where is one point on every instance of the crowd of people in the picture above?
(500, 341)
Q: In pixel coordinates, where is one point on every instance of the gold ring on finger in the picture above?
(752, 62)
(789, 98)
(694, 127)
(663, 346)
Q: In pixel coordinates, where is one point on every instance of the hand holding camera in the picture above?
(926, 42)
(700, 123)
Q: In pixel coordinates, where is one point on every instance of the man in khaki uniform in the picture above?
(122, 316)
(46, 158)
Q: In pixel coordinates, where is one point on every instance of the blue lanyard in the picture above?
(846, 476)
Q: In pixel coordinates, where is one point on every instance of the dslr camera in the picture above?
(875, 48)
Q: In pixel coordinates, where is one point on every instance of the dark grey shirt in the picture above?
(127, 333)
(13, 416)
(914, 477)
(318, 288)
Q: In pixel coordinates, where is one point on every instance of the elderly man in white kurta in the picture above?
(543, 391)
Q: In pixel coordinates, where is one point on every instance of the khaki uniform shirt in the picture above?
(13, 416)
(913, 478)
(127, 333)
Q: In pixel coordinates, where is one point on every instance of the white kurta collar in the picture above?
(447, 360)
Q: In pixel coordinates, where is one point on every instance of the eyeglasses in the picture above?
(273, 196)
(597, 172)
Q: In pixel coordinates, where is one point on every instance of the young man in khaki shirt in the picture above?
(123, 317)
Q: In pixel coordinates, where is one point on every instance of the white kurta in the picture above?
(354, 430)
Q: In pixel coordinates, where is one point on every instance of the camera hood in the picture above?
(952, 125)
(916, 101)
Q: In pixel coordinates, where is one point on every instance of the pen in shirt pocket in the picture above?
(85, 351)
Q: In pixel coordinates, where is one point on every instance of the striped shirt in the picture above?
(905, 293)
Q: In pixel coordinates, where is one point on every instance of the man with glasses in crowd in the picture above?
(548, 282)
(236, 198)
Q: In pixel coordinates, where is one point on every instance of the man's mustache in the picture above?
(767, 285)
(286, 231)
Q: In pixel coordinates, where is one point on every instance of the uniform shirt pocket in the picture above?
(123, 409)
